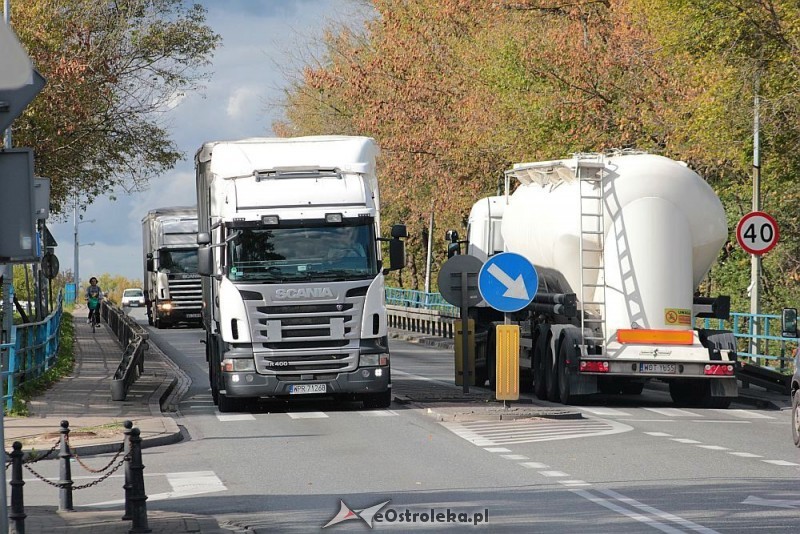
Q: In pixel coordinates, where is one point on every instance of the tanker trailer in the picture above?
(621, 243)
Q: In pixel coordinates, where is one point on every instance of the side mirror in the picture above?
(203, 238)
(205, 261)
(451, 236)
(397, 254)
(453, 249)
(150, 264)
(789, 322)
(399, 231)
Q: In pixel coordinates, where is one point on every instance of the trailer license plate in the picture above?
(300, 389)
(660, 368)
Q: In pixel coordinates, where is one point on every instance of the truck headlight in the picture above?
(230, 365)
(373, 360)
(166, 306)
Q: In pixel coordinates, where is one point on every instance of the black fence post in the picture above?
(65, 484)
(17, 515)
(126, 452)
(138, 496)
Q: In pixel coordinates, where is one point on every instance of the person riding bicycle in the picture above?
(93, 296)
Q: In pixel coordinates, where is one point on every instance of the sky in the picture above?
(261, 41)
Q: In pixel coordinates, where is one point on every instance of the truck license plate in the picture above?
(300, 389)
(192, 315)
(660, 368)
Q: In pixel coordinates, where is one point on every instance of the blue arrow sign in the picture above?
(508, 282)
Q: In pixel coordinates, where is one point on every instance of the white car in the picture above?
(133, 297)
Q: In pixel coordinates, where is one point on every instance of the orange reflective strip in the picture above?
(656, 337)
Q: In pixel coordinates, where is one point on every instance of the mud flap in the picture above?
(724, 387)
(582, 384)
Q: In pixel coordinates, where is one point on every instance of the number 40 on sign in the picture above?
(757, 233)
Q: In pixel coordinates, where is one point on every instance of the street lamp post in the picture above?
(76, 272)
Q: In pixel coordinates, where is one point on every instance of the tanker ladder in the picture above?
(590, 171)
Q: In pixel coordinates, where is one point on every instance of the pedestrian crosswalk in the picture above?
(495, 433)
(225, 418)
(676, 413)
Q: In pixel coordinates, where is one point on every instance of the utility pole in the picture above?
(755, 259)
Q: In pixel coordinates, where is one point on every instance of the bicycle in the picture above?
(94, 312)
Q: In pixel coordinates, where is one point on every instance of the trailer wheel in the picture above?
(539, 370)
(796, 417)
(551, 376)
(563, 372)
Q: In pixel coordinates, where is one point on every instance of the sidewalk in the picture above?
(95, 422)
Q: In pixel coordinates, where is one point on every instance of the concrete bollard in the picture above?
(65, 491)
(138, 496)
(126, 451)
(17, 515)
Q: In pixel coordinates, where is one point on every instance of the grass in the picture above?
(65, 361)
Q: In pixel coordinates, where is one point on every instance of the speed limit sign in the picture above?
(757, 233)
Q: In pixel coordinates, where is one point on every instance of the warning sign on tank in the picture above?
(677, 317)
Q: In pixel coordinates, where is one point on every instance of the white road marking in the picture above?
(746, 454)
(514, 456)
(745, 414)
(685, 523)
(553, 474)
(714, 447)
(777, 503)
(624, 511)
(707, 421)
(574, 483)
(185, 484)
(308, 415)
(606, 411)
(534, 465)
(780, 462)
(659, 434)
(236, 417)
(688, 441)
(378, 413)
(673, 412)
(497, 449)
(494, 433)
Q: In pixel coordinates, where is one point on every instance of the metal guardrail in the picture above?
(417, 311)
(31, 350)
(133, 338)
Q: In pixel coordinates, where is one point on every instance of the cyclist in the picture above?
(93, 296)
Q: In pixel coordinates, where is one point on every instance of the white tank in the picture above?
(663, 228)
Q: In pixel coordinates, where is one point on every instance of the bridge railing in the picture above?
(31, 350)
(429, 313)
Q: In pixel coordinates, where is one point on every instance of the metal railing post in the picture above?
(138, 496)
(17, 515)
(126, 451)
(65, 483)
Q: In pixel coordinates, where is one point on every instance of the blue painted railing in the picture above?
(765, 329)
(31, 350)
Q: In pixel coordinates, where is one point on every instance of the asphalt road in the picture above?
(632, 464)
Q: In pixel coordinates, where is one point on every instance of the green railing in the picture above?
(31, 350)
(771, 348)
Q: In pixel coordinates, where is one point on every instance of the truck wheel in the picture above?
(539, 382)
(689, 392)
(227, 404)
(212, 380)
(551, 374)
(491, 359)
(377, 401)
(632, 388)
(149, 317)
(563, 373)
(796, 417)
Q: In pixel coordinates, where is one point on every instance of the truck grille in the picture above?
(185, 293)
(306, 338)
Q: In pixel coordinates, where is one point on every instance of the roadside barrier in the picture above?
(133, 339)
(131, 452)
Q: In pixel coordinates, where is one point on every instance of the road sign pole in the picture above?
(464, 333)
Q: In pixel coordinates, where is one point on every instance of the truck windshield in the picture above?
(178, 261)
(305, 253)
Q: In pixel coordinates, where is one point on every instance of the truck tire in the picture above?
(491, 359)
(565, 351)
(227, 404)
(377, 401)
(539, 381)
(551, 376)
(796, 417)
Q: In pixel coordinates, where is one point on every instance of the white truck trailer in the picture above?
(293, 275)
(621, 243)
(172, 288)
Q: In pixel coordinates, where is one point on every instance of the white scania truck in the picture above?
(172, 290)
(621, 243)
(293, 275)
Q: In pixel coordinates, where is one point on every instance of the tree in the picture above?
(113, 67)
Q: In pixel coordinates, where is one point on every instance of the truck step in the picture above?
(592, 232)
(595, 303)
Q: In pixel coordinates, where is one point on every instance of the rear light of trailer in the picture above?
(644, 336)
(718, 369)
(594, 366)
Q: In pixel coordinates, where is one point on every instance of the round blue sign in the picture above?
(508, 282)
